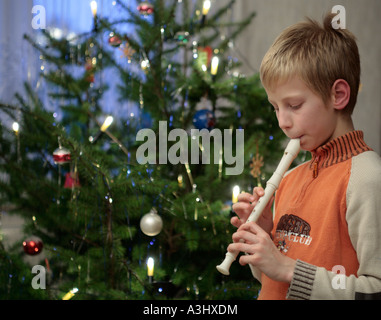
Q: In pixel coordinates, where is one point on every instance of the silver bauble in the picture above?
(151, 223)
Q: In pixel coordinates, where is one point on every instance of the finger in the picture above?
(244, 236)
(236, 222)
(242, 207)
(246, 197)
(243, 210)
(246, 259)
(259, 191)
(241, 247)
(251, 227)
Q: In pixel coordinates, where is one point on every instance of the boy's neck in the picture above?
(344, 125)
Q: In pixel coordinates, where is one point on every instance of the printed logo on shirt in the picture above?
(291, 229)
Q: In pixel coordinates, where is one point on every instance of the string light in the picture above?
(205, 10)
(70, 294)
(107, 123)
(214, 66)
(150, 268)
(180, 180)
(145, 64)
(236, 191)
(94, 7)
(206, 7)
(15, 128)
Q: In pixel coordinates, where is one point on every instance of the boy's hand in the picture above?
(245, 205)
(262, 252)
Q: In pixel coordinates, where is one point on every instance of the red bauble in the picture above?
(90, 71)
(145, 8)
(114, 41)
(32, 246)
(61, 155)
(72, 180)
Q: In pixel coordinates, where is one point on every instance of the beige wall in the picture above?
(363, 18)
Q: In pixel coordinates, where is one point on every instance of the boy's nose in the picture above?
(284, 119)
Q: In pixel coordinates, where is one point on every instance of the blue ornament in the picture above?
(204, 119)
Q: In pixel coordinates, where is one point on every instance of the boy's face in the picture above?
(302, 114)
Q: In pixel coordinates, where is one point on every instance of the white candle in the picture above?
(94, 7)
(15, 127)
(70, 294)
(150, 266)
(214, 67)
(236, 191)
(206, 7)
(107, 123)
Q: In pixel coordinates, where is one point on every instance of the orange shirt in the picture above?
(310, 217)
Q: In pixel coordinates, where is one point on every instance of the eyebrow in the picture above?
(297, 96)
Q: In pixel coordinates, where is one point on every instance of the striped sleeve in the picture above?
(302, 281)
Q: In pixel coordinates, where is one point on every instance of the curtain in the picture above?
(20, 62)
(15, 54)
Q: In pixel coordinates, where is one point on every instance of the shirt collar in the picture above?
(340, 149)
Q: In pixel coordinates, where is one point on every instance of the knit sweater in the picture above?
(328, 218)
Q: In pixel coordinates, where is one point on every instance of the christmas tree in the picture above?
(136, 206)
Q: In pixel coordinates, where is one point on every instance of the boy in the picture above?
(327, 211)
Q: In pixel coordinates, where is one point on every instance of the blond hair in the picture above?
(319, 55)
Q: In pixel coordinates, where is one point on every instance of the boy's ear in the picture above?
(340, 93)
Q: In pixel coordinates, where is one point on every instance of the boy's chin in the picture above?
(307, 145)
